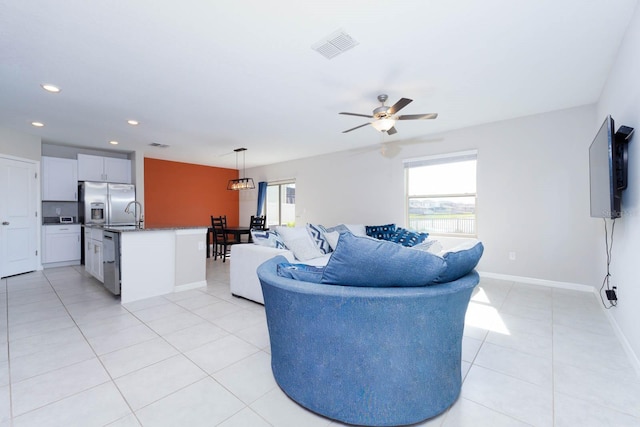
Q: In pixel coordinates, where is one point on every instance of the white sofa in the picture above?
(245, 260)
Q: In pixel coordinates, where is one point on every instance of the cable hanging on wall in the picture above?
(610, 291)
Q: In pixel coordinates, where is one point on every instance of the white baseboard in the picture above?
(189, 286)
(633, 358)
(540, 282)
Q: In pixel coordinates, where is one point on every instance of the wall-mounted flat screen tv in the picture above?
(608, 169)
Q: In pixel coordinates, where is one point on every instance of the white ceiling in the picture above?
(207, 76)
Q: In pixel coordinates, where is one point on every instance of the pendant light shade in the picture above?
(241, 183)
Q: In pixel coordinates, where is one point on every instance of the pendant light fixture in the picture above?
(241, 183)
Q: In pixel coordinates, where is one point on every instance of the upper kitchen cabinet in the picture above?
(59, 179)
(104, 169)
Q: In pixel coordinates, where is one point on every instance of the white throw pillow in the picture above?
(332, 238)
(299, 241)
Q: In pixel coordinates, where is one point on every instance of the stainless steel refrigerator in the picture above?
(104, 204)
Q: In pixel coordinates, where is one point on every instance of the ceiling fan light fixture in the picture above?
(383, 125)
(241, 183)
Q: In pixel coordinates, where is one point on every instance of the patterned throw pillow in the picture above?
(407, 237)
(381, 232)
(270, 239)
(317, 233)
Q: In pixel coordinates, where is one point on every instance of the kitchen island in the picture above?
(154, 261)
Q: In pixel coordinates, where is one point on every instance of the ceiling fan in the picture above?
(385, 117)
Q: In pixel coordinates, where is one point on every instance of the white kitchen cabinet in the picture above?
(96, 265)
(93, 253)
(61, 244)
(59, 179)
(88, 250)
(104, 169)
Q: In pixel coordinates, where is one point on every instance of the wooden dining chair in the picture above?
(257, 223)
(221, 241)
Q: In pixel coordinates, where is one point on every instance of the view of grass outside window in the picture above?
(441, 194)
(281, 204)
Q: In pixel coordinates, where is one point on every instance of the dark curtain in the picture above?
(262, 197)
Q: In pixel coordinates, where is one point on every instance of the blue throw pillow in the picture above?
(382, 232)
(363, 261)
(407, 237)
(304, 272)
(460, 263)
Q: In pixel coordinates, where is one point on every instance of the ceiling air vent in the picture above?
(334, 44)
(156, 144)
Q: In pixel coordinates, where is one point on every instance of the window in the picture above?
(441, 194)
(281, 204)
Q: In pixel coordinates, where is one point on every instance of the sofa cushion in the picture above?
(364, 261)
(304, 272)
(429, 245)
(355, 229)
(407, 237)
(269, 239)
(317, 233)
(460, 260)
(382, 232)
(299, 241)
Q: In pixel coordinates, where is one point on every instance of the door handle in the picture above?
(5, 222)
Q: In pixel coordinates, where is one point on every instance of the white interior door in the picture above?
(18, 220)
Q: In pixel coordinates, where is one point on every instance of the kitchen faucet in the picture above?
(138, 220)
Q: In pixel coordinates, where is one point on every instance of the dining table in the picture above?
(236, 232)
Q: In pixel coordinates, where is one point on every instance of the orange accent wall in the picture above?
(184, 194)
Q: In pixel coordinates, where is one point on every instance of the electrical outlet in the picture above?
(512, 255)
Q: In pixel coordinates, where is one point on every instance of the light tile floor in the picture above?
(73, 355)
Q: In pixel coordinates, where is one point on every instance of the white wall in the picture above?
(533, 191)
(20, 144)
(621, 99)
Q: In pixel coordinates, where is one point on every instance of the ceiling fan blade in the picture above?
(418, 116)
(357, 127)
(392, 131)
(356, 114)
(399, 105)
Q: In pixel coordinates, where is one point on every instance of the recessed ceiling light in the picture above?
(50, 88)
(113, 142)
(37, 124)
(133, 122)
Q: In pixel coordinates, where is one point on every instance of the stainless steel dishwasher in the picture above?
(111, 260)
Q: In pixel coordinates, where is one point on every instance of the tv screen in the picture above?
(608, 169)
(605, 198)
